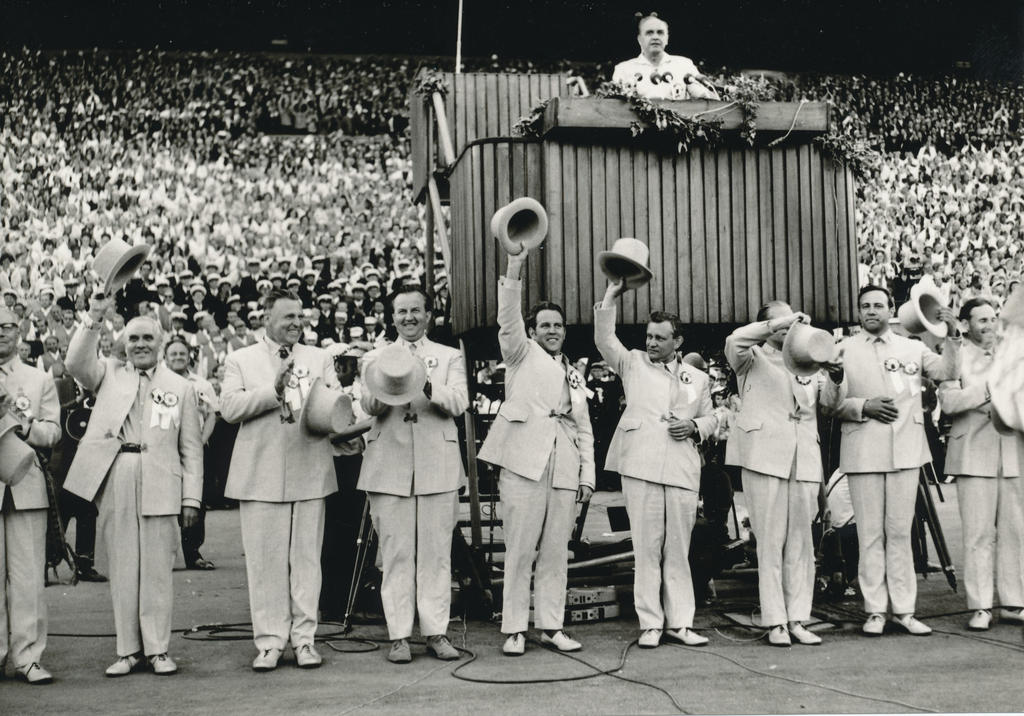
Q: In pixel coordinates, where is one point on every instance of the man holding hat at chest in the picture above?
(280, 474)
(654, 449)
(884, 446)
(544, 444)
(411, 471)
(29, 418)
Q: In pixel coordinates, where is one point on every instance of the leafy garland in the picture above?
(842, 147)
(532, 125)
(431, 81)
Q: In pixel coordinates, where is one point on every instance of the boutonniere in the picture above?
(892, 365)
(911, 368)
(293, 381)
(158, 396)
(685, 377)
(430, 362)
(300, 371)
(575, 379)
(22, 404)
(165, 410)
(170, 400)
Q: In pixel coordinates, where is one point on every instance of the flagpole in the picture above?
(458, 42)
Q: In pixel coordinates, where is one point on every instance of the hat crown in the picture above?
(633, 249)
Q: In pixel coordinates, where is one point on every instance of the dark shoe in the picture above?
(89, 574)
(200, 563)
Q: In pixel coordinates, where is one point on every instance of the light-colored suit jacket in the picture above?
(414, 449)
(975, 448)
(529, 425)
(274, 461)
(641, 447)
(172, 457)
(22, 380)
(889, 367)
(778, 418)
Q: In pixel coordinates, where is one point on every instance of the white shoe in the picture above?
(803, 635)
(778, 636)
(561, 641)
(913, 625)
(33, 674)
(162, 665)
(875, 625)
(981, 620)
(307, 657)
(124, 665)
(686, 636)
(515, 645)
(1016, 616)
(266, 660)
(650, 638)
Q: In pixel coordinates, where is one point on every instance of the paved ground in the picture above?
(952, 671)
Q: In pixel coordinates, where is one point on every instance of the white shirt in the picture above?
(670, 75)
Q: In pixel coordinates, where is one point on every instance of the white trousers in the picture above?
(22, 572)
(140, 552)
(537, 521)
(661, 519)
(415, 536)
(992, 516)
(883, 505)
(282, 543)
(781, 511)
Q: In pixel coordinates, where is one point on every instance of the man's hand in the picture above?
(282, 376)
(835, 367)
(881, 409)
(515, 265)
(189, 516)
(584, 493)
(681, 429)
(99, 303)
(947, 316)
(613, 291)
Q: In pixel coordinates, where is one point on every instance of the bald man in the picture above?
(141, 460)
(654, 73)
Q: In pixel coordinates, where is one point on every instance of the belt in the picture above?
(131, 447)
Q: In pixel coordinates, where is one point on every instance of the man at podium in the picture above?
(655, 74)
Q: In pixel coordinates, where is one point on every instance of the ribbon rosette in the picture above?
(911, 368)
(165, 410)
(430, 362)
(893, 366)
(685, 377)
(22, 404)
(297, 388)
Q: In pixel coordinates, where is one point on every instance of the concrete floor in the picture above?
(848, 674)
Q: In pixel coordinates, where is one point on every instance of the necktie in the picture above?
(412, 347)
(140, 397)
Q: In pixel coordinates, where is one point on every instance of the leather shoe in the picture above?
(561, 641)
(89, 574)
(779, 636)
(400, 653)
(307, 657)
(34, 674)
(163, 665)
(803, 635)
(266, 660)
(649, 639)
(1016, 616)
(440, 647)
(515, 645)
(124, 665)
(980, 620)
(874, 626)
(913, 625)
(686, 636)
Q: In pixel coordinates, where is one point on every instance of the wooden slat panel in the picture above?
(480, 98)
(671, 290)
(833, 265)
(657, 288)
(612, 218)
(594, 290)
(478, 221)
(569, 288)
(717, 220)
(737, 239)
(627, 209)
(766, 249)
(496, 125)
(698, 237)
(752, 229)
(461, 114)
(811, 262)
(489, 247)
(780, 249)
(535, 187)
(793, 259)
(641, 218)
(554, 201)
(503, 104)
(684, 239)
(583, 252)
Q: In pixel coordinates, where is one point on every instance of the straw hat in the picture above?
(806, 348)
(520, 225)
(921, 313)
(326, 411)
(626, 260)
(16, 457)
(396, 376)
(117, 261)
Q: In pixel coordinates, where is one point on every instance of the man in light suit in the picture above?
(883, 448)
(668, 409)
(411, 472)
(141, 460)
(280, 474)
(988, 484)
(544, 444)
(775, 443)
(29, 403)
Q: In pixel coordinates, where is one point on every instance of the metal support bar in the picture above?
(476, 534)
(447, 149)
(442, 231)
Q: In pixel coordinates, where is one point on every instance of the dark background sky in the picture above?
(827, 35)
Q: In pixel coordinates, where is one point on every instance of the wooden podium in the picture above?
(728, 228)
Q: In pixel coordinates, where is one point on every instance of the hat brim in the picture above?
(618, 267)
(417, 379)
(125, 267)
(935, 327)
(338, 420)
(802, 370)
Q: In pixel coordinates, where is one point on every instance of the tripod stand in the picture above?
(926, 516)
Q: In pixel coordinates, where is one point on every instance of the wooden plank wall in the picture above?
(727, 230)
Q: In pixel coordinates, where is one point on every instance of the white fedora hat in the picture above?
(626, 261)
(117, 261)
(16, 457)
(520, 225)
(326, 411)
(396, 377)
(921, 313)
(806, 348)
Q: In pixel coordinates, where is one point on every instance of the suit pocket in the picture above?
(747, 424)
(918, 418)
(628, 424)
(450, 433)
(514, 413)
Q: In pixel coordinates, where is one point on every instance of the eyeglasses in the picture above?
(8, 327)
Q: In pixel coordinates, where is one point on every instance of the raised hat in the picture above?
(117, 261)
(806, 348)
(520, 225)
(396, 377)
(626, 260)
(921, 313)
(326, 410)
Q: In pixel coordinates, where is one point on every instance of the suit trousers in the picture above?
(415, 535)
(781, 512)
(537, 521)
(661, 519)
(884, 505)
(282, 543)
(992, 516)
(22, 571)
(140, 553)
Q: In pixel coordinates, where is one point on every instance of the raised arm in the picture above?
(83, 351)
(608, 344)
(512, 338)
